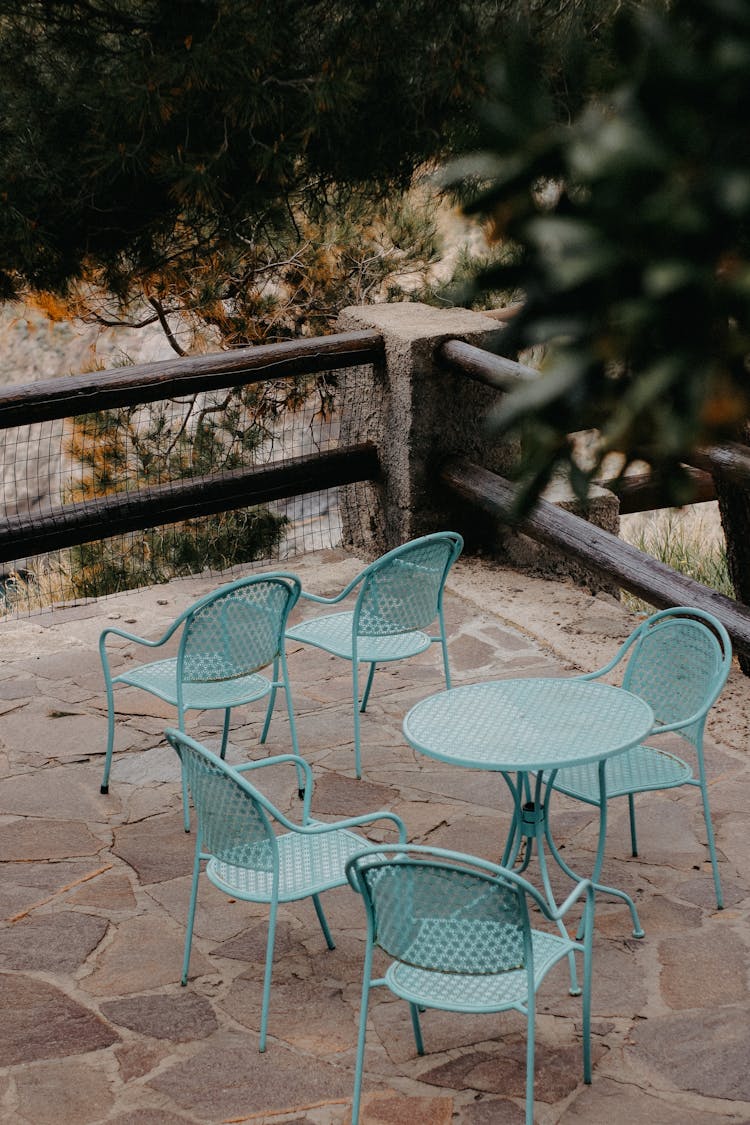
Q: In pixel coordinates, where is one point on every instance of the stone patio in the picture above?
(93, 898)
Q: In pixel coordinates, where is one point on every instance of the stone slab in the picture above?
(59, 942)
(230, 1077)
(41, 1022)
(71, 1090)
(157, 848)
(145, 952)
(183, 1017)
(46, 839)
(710, 1056)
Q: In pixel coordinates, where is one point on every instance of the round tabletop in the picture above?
(530, 724)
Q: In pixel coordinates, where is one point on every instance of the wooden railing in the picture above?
(596, 549)
(144, 507)
(22, 536)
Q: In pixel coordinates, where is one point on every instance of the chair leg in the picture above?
(267, 976)
(104, 788)
(586, 1015)
(638, 931)
(368, 685)
(283, 681)
(271, 700)
(530, 1043)
(185, 801)
(711, 845)
(292, 724)
(191, 914)
(414, 1010)
(633, 837)
(225, 732)
(359, 1067)
(323, 922)
(185, 790)
(444, 647)
(355, 697)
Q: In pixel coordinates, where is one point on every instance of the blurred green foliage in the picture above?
(631, 224)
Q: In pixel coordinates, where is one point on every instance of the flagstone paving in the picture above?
(95, 1027)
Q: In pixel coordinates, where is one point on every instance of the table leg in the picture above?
(638, 931)
(515, 836)
(529, 824)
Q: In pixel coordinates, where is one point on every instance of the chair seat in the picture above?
(481, 992)
(638, 770)
(160, 679)
(308, 864)
(333, 633)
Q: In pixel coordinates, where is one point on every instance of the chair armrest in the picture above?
(680, 724)
(552, 913)
(274, 760)
(113, 631)
(329, 601)
(300, 764)
(555, 914)
(353, 822)
(599, 671)
(337, 597)
(585, 887)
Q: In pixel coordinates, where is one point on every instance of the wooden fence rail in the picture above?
(21, 405)
(154, 506)
(597, 549)
(485, 367)
(68, 525)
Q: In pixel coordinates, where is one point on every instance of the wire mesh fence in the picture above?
(53, 468)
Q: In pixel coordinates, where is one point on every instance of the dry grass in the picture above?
(690, 540)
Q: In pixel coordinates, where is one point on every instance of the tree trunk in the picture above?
(734, 507)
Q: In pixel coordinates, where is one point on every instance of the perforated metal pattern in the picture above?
(307, 865)
(234, 826)
(236, 633)
(333, 632)
(466, 993)
(675, 666)
(160, 678)
(442, 918)
(527, 724)
(402, 594)
(638, 770)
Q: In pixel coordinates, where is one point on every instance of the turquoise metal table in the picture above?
(526, 730)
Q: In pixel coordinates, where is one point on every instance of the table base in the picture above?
(531, 824)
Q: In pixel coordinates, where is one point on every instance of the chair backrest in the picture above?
(233, 823)
(238, 629)
(438, 914)
(403, 590)
(679, 662)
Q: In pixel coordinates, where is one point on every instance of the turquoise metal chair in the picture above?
(459, 933)
(227, 638)
(677, 660)
(399, 596)
(247, 860)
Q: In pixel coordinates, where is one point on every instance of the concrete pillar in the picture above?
(416, 413)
